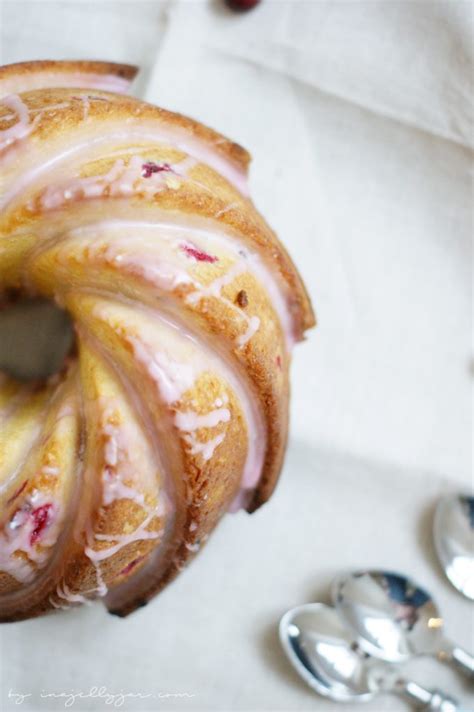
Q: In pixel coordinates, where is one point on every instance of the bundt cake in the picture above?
(172, 408)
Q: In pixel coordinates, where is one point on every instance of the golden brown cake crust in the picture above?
(127, 71)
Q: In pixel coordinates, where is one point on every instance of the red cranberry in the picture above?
(241, 5)
(150, 167)
(41, 520)
(130, 566)
(198, 255)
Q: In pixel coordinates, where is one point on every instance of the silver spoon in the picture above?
(454, 540)
(394, 619)
(322, 651)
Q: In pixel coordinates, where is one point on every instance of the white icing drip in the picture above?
(214, 289)
(120, 441)
(59, 606)
(122, 180)
(164, 276)
(54, 196)
(114, 488)
(101, 588)
(111, 452)
(49, 470)
(253, 326)
(50, 107)
(139, 534)
(189, 420)
(22, 128)
(84, 98)
(63, 591)
(227, 209)
(43, 109)
(172, 378)
(206, 449)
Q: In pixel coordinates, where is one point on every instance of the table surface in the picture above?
(358, 119)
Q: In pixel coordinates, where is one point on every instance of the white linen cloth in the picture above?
(358, 116)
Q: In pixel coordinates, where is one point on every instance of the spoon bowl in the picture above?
(321, 650)
(453, 532)
(393, 618)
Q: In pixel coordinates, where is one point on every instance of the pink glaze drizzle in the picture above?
(122, 180)
(197, 150)
(23, 126)
(190, 421)
(58, 78)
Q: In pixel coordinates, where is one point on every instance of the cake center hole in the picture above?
(35, 338)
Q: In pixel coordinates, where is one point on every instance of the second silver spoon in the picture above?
(394, 618)
(322, 651)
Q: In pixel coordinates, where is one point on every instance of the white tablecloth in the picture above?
(358, 117)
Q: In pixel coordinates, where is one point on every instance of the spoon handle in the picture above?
(459, 657)
(463, 660)
(432, 700)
